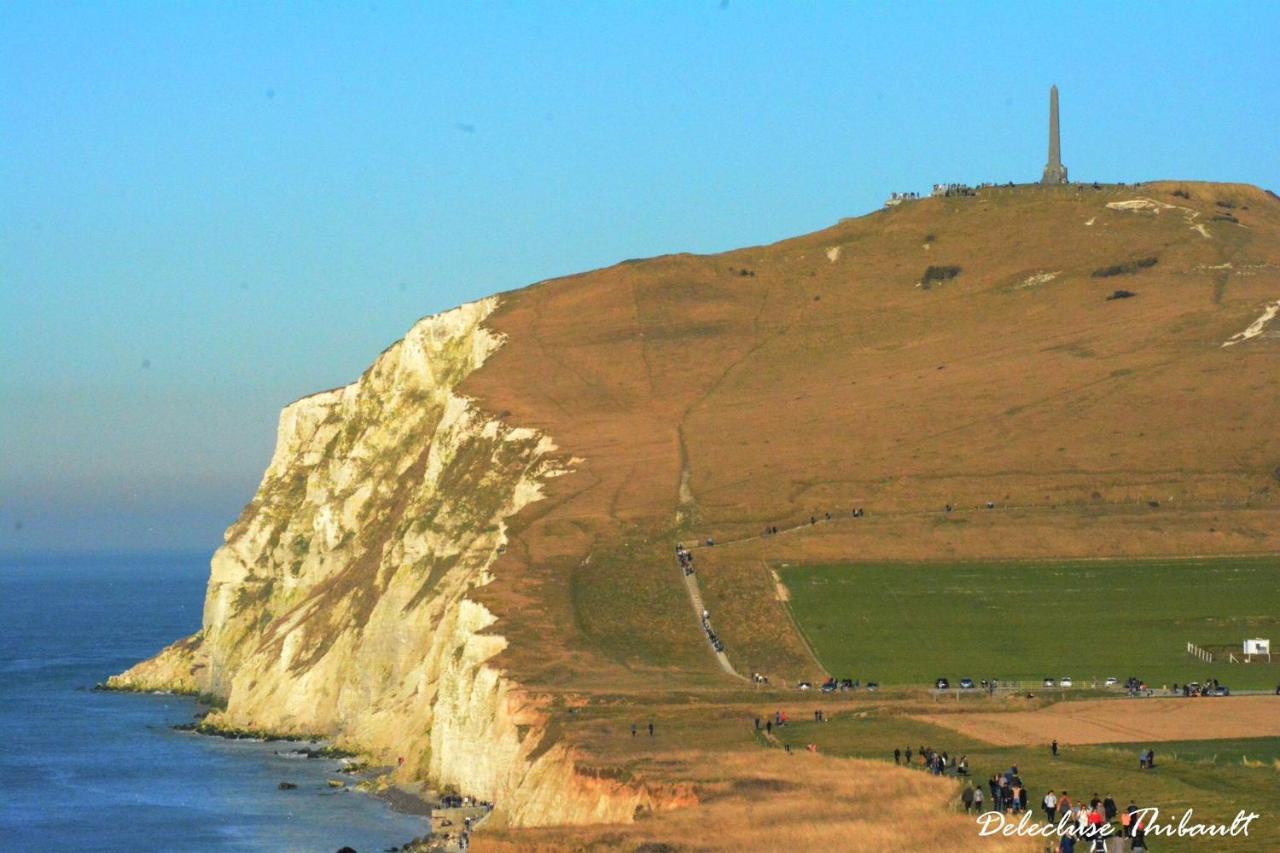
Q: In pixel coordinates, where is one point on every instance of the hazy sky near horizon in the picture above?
(210, 209)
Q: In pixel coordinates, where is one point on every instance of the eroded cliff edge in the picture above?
(339, 603)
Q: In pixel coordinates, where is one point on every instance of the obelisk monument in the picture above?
(1054, 171)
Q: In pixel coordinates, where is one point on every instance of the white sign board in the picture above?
(1257, 647)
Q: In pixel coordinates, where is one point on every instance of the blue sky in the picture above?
(208, 210)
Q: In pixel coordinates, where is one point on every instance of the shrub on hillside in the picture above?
(1126, 268)
(1181, 193)
(1121, 294)
(936, 273)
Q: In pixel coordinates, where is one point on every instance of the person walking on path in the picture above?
(1139, 838)
(651, 728)
(1053, 748)
(633, 729)
(1109, 809)
(897, 755)
(977, 799)
(1050, 806)
(967, 798)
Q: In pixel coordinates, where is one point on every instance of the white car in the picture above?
(1065, 681)
(1111, 682)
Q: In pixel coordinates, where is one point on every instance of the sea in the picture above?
(89, 770)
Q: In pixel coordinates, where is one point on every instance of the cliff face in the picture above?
(360, 594)
(339, 601)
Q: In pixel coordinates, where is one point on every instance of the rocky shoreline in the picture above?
(372, 782)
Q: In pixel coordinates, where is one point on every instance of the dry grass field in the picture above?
(778, 801)
(1122, 721)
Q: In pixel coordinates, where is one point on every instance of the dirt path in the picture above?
(1122, 721)
(695, 598)
(959, 511)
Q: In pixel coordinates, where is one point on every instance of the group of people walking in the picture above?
(1078, 822)
(685, 557)
(774, 530)
(937, 763)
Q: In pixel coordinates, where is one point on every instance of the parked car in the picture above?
(942, 684)
(1049, 682)
(873, 686)
(1111, 682)
(1065, 681)
(805, 685)
(848, 684)
(1221, 690)
(829, 686)
(966, 684)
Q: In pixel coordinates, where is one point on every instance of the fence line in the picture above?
(1203, 654)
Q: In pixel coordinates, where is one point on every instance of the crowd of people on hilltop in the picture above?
(949, 190)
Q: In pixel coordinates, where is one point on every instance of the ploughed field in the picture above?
(911, 623)
(1115, 720)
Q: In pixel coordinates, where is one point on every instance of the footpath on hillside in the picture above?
(684, 562)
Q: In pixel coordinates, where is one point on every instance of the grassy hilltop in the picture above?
(1057, 352)
(710, 396)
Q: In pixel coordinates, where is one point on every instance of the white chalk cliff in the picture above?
(339, 605)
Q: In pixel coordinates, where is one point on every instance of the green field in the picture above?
(911, 623)
(1215, 778)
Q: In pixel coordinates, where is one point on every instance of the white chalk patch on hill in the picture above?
(1256, 327)
(1150, 205)
(1038, 279)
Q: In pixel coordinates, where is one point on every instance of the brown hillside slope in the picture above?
(819, 374)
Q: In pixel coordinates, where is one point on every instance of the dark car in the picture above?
(872, 685)
(966, 684)
(942, 684)
(1221, 690)
(829, 686)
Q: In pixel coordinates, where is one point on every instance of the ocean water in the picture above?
(84, 770)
